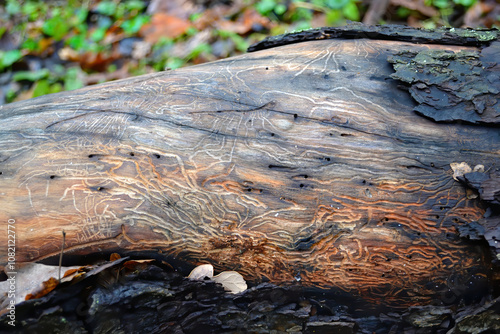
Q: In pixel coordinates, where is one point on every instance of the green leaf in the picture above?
(301, 14)
(337, 4)
(42, 87)
(302, 25)
(98, 34)
(441, 3)
(77, 42)
(2, 31)
(280, 9)
(465, 3)
(8, 58)
(191, 31)
(30, 9)
(30, 44)
(351, 12)
(80, 17)
(55, 27)
(333, 16)
(10, 95)
(199, 49)
(13, 7)
(174, 63)
(135, 5)
(133, 25)
(264, 7)
(72, 79)
(30, 75)
(241, 43)
(120, 11)
(112, 68)
(403, 12)
(195, 16)
(107, 8)
(55, 88)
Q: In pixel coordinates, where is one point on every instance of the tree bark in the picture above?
(301, 164)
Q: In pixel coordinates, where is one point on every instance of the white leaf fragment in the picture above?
(199, 273)
(478, 168)
(459, 169)
(232, 281)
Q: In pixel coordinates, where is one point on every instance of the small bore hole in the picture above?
(301, 185)
(52, 176)
(132, 154)
(272, 134)
(327, 159)
(157, 156)
(295, 116)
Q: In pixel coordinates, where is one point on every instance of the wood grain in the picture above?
(302, 164)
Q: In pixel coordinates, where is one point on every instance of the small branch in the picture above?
(375, 12)
(61, 255)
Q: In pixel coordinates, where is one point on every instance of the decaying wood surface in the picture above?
(155, 300)
(302, 164)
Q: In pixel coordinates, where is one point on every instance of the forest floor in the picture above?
(51, 46)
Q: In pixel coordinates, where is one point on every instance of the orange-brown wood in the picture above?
(303, 164)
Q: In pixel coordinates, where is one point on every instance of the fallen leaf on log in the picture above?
(232, 281)
(202, 271)
(47, 287)
(459, 169)
(137, 264)
(29, 279)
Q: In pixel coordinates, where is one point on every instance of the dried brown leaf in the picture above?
(47, 287)
(137, 264)
(114, 257)
(164, 25)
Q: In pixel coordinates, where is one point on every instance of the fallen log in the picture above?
(303, 164)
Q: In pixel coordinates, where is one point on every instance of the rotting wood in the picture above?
(156, 300)
(389, 32)
(303, 164)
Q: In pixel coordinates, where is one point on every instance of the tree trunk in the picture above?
(301, 164)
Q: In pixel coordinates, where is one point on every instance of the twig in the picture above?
(60, 256)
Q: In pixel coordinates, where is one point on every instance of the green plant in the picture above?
(8, 58)
(271, 7)
(240, 43)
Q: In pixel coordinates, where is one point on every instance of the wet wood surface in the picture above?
(302, 164)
